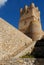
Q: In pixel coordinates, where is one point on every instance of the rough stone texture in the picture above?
(14, 44)
(12, 41)
(30, 23)
(25, 61)
(18, 61)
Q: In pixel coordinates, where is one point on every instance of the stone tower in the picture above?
(30, 23)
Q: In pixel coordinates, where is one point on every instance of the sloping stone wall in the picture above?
(12, 41)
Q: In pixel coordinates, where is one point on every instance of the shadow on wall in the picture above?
(39, 61)
(38, 51)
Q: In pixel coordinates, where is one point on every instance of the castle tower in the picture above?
(30, 23)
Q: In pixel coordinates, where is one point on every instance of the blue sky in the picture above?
(10, 11)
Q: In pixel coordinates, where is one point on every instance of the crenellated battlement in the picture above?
(30, 23)
(27, 9)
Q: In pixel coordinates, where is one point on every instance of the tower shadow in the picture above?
(38, 51)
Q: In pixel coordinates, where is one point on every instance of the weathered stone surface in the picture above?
(12, 41)
(25, 61)
(14, 44)
(30, 23)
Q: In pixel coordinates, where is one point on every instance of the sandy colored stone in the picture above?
(30, 22)
(12, 41)
(25, 61)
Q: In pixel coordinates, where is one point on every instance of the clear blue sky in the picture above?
(11, 10)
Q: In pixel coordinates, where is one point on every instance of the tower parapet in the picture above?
(30, 23)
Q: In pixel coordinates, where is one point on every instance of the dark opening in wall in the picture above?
(38, 51)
